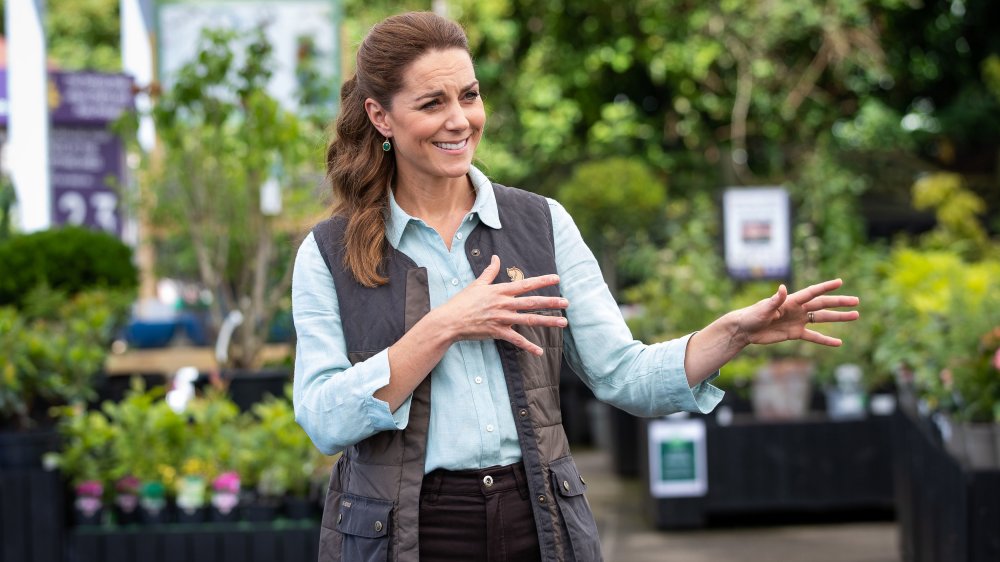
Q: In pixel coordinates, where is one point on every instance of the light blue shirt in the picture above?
(471, 424)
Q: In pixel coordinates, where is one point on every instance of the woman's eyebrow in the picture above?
(438, 93)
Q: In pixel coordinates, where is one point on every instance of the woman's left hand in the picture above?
(785, 317)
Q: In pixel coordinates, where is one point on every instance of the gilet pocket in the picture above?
(575, 510)
(364, 523)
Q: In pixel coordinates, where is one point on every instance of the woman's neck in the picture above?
(442, 205)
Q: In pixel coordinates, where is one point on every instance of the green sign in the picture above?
(677, 462)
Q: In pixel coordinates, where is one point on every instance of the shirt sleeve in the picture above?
(644, 380)
(334, 401)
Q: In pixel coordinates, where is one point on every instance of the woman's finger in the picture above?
(530, 284)
(521, 342)
(811, 292)
(821, 339)
(528, 319)
(834, 316)
(830, 301)
(490, 273)
(539, 303)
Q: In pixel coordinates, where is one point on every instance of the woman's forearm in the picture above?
(413, 357)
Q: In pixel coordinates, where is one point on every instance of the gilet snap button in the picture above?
(340, 517)
(378, 526)
(566, 485)
(488, 481)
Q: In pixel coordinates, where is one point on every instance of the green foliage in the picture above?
(51, 350)
(940, 307)
(291, 463)
(222, 136)
(611, 200)
(8, 197)
(84, 34)
(87, 443)
(69, 259)
(957, 211)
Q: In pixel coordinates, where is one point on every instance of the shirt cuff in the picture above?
(379, 416)
(702, 397)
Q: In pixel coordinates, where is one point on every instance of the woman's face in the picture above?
(437, 118)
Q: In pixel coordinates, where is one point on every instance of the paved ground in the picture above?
(627, 536)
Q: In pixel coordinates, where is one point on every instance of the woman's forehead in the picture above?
(439, 69)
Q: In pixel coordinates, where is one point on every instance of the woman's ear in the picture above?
(378, 116)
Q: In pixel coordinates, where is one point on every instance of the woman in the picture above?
(433, 311)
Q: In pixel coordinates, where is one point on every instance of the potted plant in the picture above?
(127, 500)
(88, 508)
(85, 459)
(225, 497)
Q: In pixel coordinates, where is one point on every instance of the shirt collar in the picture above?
(485, 206)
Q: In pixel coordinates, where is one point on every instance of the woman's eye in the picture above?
(429, 105)
(471, 95)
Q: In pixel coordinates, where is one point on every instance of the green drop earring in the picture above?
(386, 146)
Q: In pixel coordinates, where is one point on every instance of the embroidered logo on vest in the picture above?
(515, 274)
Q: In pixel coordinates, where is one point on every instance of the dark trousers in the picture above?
(477, 515)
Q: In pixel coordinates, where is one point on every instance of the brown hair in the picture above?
(356, 166)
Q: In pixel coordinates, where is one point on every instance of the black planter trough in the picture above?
(780, 471)
(32, 500)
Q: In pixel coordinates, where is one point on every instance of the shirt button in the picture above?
(479, 380)
(489, 428)
(459, 236)
(454, 281)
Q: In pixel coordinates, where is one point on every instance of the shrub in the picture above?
(70, 259)
(51, 350)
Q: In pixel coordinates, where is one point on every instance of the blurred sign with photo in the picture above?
(757, 233)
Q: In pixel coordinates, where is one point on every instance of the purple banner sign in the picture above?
(86, 158)
(88, 98)
(87, 166)
(80, 98)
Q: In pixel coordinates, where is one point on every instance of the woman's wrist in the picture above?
(739, 336)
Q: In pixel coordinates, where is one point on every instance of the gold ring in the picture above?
(812, 317)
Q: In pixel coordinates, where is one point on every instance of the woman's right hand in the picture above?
(487, 311)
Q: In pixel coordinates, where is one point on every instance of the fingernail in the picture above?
(564, 302)
(563, 322)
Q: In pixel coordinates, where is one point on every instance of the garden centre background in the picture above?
(166, 230)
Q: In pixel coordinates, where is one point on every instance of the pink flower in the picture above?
(127, 485)
(90, 488)
(996, 359)
(227, 482)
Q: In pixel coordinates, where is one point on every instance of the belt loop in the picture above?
(521, 479)
(433, 485)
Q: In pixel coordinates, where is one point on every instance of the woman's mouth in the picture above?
(452, 145)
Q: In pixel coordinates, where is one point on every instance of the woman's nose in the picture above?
(457, 120)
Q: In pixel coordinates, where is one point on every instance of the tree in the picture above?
(222, 137)
(612, 201)
(82, 34)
